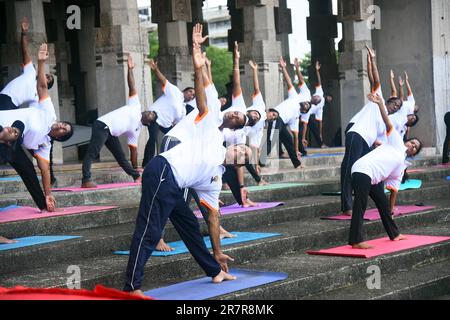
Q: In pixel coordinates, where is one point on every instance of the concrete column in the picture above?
(261, 45)
(119, 34)
(354, 83)
(283, 26)
(322, 30)
(174, 56)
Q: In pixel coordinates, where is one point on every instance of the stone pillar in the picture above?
(354, 82)
(261, 45)
(322, 30)
(283, 26)
(119, 34)
(174, 56)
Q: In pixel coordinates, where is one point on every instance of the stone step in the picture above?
(93, 252)
(421, 282)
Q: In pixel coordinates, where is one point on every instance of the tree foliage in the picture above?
(222, 67)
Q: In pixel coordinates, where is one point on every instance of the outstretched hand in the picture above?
(25, 24)
(375, 98)
(153, 64)
(392, 74)
(371, 52)
(297, 63)
(406, 76)
(401, 82)
(253, 65)
(237, 54)
(131, 63)
(318, 66)
(282, 63)
(43, 52)
(197, 35)
(223, 259)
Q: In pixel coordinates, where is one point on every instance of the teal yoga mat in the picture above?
(32, 241)
(410, 184)
(10, 179)
(180, 247)
(201, 289)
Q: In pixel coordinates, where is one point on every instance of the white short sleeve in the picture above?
(258, 101)
(134, 101)
(394, 184)
(293, 124)
(305, 94)
(292, 93)
(305, 116)
(238, 104)
(210, 198)
(319, 91)
(133, 138)
(43, 152)
(255, 138)
(29, 70)
(395, 140)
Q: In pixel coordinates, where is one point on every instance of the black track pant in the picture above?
(445, 158)
(313, 125)
(25, 169)
(6, 103)
(150, 147)
(285, 138)
(101, 136)
(363, 189)
(231, 178)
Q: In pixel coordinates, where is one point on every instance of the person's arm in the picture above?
(401, 85)
(44, 167)
(131, 82)
(237, 90)
(42, 87)
(256, 87)
(24, 41)
(134, 156)
(375, 73)
(295, 134)
(369, 71)
(206, 79)
(375, 98)
(199, 60)
(301, 80)
(319, 78)
(408, 85)
(320, 130)
(304, 133)
(287, 77)
(154, 66)
(394, 92)
(209, 68)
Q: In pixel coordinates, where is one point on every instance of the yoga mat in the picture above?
(203, 288)
(448, 178)
(416, 170)
(271, 187)
(9, 208)
(373, 214)
(180, 247)
(409, 184)
(236, 208)
(28, 213)
(381, 246)
(10, 179)
(319, 155)
(33, 241)
(331, 193)
(99, 187)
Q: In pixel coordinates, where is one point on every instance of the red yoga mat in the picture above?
(99, 293)
(373, 214)
(28, 213)
(381, 246)
(236, 208)
(99, 187)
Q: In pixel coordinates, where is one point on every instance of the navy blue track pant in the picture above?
(162, 199)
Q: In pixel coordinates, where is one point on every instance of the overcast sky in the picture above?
(299, 45)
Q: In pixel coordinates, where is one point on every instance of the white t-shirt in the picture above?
(369, 124)
(400, 118)
(23, 89)
(316, 109)
(125, 120)
(197, 161)
(186, 126)
(305, 94)
(170, 107)
(255, 133)
(289, 109)
(38, 120)
(385, 163)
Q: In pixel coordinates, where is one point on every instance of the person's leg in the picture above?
(159, 196)
(150, 147)
(25, 168)
(113, 145)
(381, 201)
(362, 185)
(98, 139)
(6, 103)
(187, 226)
(445, 156)
(230, 176)
(287, 140)
(251, 168)
(315, 130)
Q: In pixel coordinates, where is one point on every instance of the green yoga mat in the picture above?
(271, 187)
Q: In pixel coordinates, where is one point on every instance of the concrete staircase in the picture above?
(412, 274)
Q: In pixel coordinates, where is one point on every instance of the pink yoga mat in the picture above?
(373, 214)
(416, 170)
(443, 166)
(28, 213)
(380, 247)
(99, 187)
(235, 208)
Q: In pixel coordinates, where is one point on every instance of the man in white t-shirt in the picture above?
(106, 130)
(22, 90)
(365, 128)
(384, 165)
(197, 163)
(170, 108)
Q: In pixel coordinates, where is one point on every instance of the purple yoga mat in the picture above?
(373, 214)
(235, 208)
(99, 187)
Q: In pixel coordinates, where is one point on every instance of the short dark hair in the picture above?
(68, 135)
(415, 121)
(51, 83)
(188, 88)
(420, 147)
(395, 99)
(302, 105)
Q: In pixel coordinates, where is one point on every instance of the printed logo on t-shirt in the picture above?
(215, 179)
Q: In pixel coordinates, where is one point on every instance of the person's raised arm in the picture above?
(131, 82)
(375, 98)
(24, 41)
(401, 85)
(301, 80)
(287, 77)
(237, 89)
(394, 92)
(408, 85)
(209, 68)
(154, 66)
(42, 87)
(44, 167)
(199, 61)
(370, 71)
(319, 78)
(375, 73)
(256, 87)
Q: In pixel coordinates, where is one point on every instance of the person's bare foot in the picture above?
(347, 213)
(323, 146)
(88, 185)
(138, 293)
(249, 203)
(362, 245)
(400, 237)
(284, 156)
(7, 241)
(263, 183)
(138, 180)
(163, 246)
(225, 234)
(223, 276)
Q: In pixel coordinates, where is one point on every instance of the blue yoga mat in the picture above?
(203, 288)
(9, 179)
(410, 184)
(180, 247)
(32, 241)
(448, 178)
(9, 208)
